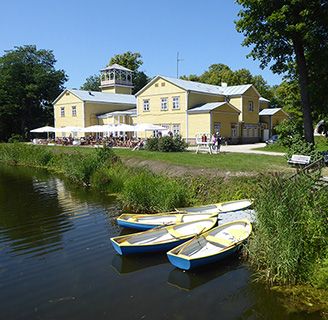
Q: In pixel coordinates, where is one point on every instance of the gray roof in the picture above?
(203, 87)
(264, 100)
(130, 112)
(117, 67)
(103, 97)
(207, 107)
(269, 111)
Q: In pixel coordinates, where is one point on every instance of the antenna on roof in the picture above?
(178, 60)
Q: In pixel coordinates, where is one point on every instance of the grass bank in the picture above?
(231, 162)
(290, 242)
(138, 189)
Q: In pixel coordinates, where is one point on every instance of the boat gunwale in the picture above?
(189, 258)
(213, 220)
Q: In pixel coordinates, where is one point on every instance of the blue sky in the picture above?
(85, 34)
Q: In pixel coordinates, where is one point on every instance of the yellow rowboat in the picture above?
(227, 206)
(149, 221)
(161, 239)
(212, 246)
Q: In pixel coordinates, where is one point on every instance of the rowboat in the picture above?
(149, 221)
(227, 206)
(211, 246)
(161, 239)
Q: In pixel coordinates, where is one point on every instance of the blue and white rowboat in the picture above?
(161, 239)
(149, 221)
(211, 246)
(227, 206)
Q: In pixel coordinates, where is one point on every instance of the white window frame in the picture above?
(234, 131)
(146, 105)
(62, 112)
(164, 104)
(251, 106)
(176, 129)
(176, 103)
(74, 111)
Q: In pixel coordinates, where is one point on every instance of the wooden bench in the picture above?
(298, 160)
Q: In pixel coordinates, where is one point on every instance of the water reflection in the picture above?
(189, 280)
(128, 264)
(37, 210)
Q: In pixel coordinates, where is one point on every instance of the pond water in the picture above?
(56, 262)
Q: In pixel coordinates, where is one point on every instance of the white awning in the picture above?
(44, 129)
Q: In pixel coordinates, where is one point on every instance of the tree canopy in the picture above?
(29, 82)
(290, 36)
(218, 73)
(91, 83)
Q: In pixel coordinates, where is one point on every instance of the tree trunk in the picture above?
(303, 83)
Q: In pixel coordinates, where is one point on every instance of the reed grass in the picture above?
(291, 234)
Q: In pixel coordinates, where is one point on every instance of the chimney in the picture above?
(224, 84)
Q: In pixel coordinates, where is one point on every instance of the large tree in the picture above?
(29, 82)
(291, 36)
(91, 83)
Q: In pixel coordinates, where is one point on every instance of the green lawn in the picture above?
(224, 161)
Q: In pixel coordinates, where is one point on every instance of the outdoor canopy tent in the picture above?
(69, 129)
(141, 127)
(44, 129)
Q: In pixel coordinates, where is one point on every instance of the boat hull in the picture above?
(135, 225)
(189, 264)
(125, 250)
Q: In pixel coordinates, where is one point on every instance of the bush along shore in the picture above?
(289, 246)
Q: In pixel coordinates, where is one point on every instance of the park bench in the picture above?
(299, 160)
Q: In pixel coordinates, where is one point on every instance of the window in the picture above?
(146, 105)
(217, 127)
(166, 126)
(156, 85)
(62, 111)
(176, 129)
(250, 106)
(176, 103)
(73, 111)
(233, 130)
(164, 105)
(163, 84)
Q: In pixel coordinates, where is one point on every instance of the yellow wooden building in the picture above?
(113, 105)
(190, 108)
(184, 107)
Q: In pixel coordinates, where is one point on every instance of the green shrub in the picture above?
(15, 138)
(291, 233)
(171, 144)
(299, 146)
(110, 179)
(152, 144)
(146, 192)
